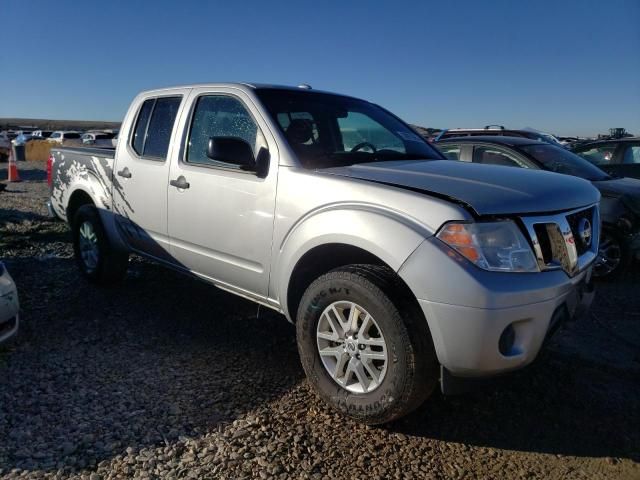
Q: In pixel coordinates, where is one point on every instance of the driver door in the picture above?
(220, 226)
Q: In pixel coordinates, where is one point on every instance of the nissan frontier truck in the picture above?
(399, 269)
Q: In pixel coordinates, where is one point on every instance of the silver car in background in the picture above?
(9, 305)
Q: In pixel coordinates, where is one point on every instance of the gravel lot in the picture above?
(165, 376)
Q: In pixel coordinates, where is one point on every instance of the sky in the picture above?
(568, 67)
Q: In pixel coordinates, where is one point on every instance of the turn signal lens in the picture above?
(496, 246)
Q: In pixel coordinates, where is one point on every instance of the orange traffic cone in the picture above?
(13, 168)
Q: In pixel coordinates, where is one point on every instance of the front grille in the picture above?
(567, 240)
(574, 222)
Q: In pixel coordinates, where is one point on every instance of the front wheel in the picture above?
(364, 344)
(97, 260)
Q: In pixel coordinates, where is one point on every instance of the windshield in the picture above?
(326, 130)
(559, 160)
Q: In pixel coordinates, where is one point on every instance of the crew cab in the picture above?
(399, 268)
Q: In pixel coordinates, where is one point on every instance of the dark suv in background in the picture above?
(619, 206)
(499, 130)
(619, 157)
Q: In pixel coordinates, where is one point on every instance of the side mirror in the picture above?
(233, 150)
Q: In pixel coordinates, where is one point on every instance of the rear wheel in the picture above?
(97, 260)
(364, 344)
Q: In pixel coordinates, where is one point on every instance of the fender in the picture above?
(359, 225)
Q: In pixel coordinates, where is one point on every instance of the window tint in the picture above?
(600, 155)
(492, 156)
(357, 128)
(452, 152)
(220, 116)
(160, 127)
(632, 155)
(329, 126)
(71, 135)
(141, 125)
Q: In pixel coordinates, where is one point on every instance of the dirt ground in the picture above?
(166, 377)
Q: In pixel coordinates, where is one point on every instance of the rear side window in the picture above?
(632, 155)
(141, 125)
(71, 135)
(452, 152)
(153, 128)
(600, 155)
(492, 156)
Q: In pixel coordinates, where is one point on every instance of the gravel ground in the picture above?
(165, 376)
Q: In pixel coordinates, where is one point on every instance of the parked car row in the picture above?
(92, 137)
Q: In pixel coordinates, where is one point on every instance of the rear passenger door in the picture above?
(140, 177)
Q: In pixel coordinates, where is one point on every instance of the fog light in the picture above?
(507, 339)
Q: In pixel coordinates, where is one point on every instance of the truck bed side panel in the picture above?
(86, 169)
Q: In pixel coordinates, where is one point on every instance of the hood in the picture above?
(627, 189)
(486, 189)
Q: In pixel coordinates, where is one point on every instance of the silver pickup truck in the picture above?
(399, 268)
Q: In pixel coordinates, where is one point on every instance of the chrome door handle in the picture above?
(180, 183)
(125, 173)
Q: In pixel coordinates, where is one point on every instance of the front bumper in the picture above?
(468, 309)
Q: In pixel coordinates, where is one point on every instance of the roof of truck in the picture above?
(242, 86)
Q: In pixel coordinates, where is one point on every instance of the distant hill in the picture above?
(47, 124)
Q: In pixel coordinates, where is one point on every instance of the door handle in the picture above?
(180, 183)
(125, 173)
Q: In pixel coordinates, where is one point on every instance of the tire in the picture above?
(614, 255)
(107, 266)
(411, 370)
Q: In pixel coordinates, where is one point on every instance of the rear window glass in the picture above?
(160, 126)
(141, 125)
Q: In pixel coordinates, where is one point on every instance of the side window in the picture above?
(220, 116)
(452, 152)
(492, 156)
(137, 142)
(632, 155)
(164, 114)
(600, 155)
(357, 128)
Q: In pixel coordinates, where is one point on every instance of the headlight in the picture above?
(496, 246)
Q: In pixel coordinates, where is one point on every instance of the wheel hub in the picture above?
(352, 347)
(88, 245)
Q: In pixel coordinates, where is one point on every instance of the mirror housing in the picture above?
(233, 150)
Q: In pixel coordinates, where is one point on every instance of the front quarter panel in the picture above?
(315, 209)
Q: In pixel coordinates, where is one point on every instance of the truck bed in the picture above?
(72, 164)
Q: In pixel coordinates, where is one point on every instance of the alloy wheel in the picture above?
(352, 347)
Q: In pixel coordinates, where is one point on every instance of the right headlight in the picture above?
(497, 246)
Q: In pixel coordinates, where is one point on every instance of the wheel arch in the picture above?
(77, 199)
(334, 239)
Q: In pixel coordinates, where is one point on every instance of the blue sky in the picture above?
(570, 67)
